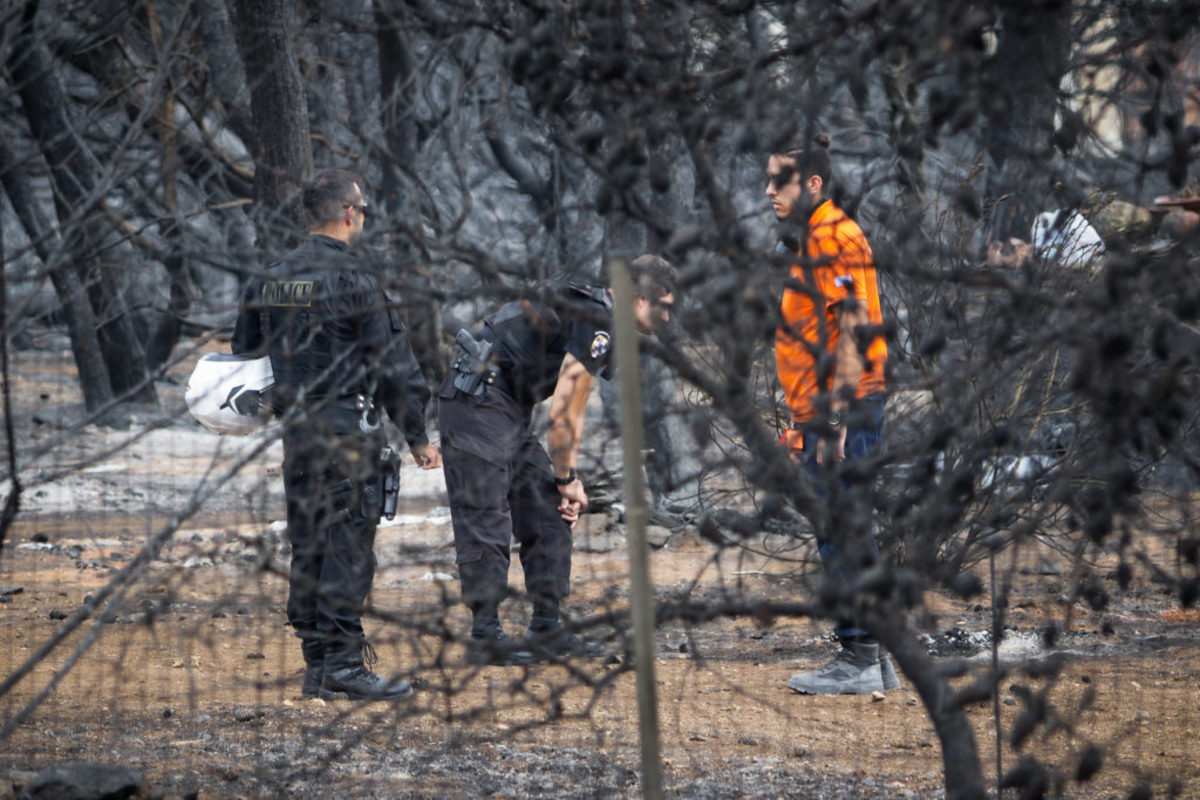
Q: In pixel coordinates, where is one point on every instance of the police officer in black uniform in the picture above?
(339, 353)
(502, 483)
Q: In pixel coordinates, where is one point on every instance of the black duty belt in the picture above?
(360, 404)
(503, 381)
(494, 377)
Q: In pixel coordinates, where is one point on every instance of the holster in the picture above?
(389, 468)
(473, 367)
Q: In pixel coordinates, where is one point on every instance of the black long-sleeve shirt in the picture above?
(328, 328)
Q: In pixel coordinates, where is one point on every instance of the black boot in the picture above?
(490, 645)
(557, 643)
(314, 667)
(549, 640)
(347, 673)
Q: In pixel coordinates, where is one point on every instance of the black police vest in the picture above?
(313, 340)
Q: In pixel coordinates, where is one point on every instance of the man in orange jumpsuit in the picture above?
(831, 356)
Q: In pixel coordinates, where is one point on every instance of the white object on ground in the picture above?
(1066, 237)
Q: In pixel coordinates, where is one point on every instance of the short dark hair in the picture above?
(653, 276)
(328, 193)
(811, 156)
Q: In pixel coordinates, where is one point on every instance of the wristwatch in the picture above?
(567, 481)
(835, 419)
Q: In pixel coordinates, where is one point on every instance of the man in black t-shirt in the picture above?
(502, 483)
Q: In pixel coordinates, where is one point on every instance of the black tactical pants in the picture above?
(332, 483)
(501, 485)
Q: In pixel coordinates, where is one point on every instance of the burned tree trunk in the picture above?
(282, 144)
(398, 155)
(216, 42)
(1028, 66)
(81, 322)
(170, 326)
(77, 200)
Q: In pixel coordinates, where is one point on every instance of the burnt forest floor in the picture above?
(189, 674)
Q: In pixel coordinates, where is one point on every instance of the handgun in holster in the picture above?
(389, 465)
(472, 365)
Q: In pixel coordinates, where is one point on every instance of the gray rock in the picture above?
(605, 542)
(591, 525)
(5, 591)
(21, 777)
(248, 713)
(83, 780)
(657, 536)
(595, 533)
(57, 416)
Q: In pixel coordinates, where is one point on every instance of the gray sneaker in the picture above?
(855, 670)
(888, 673)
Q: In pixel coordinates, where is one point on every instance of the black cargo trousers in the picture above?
(501, 486)
(333, 484)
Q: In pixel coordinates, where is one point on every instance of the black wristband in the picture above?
(567, 481)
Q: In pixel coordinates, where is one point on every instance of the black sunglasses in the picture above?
(782, 178)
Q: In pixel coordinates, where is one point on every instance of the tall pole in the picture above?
(636, 515)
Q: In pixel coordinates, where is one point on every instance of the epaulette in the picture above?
(597, 293)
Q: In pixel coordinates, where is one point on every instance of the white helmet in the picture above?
(224, 392)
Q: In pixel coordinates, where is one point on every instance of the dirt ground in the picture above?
(189, 674)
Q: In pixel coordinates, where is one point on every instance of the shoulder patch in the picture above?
(600, 343)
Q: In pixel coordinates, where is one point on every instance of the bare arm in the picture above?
(849, 364)
(849, 361)
(567, 406)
